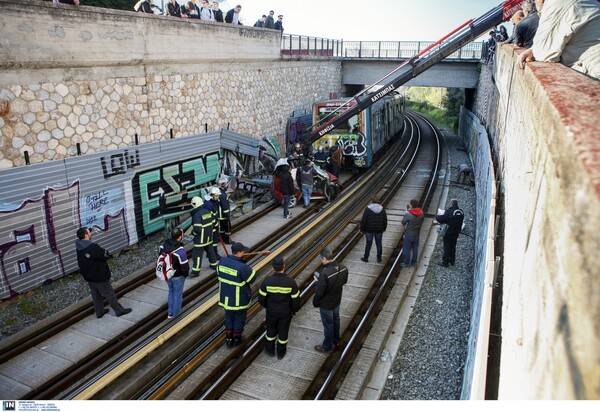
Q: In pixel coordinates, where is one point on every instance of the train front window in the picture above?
(350, 126)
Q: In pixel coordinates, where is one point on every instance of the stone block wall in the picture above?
(101, 88)
(544, 129)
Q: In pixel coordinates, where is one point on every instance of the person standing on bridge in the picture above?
(174, 9)
(233, 15)
(279, 295)
(217, 12)
(412, 222)
(203, 225)
(453, 217)
(269, 22)
(279, 23)
(180, 263)
(205, 11)
(373, 224)
(235, 293)
(328, 296)
(92, 261)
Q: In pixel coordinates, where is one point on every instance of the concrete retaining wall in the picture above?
(97, 77)
(544, 129)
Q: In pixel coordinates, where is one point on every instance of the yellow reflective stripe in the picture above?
(282, 341)
(231, 282)
(270, 339)
(227, 307)
(207, 216)
(279, 289)
(296, 295)
(228, 270)
(252, 275)
(262, 293)
(202, 244)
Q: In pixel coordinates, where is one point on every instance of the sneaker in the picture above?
(289, 216)
(321, 349)
(125, 312)
(104, 313)
(364, 259)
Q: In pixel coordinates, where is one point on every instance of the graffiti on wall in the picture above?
(158, 191)
(119, 163)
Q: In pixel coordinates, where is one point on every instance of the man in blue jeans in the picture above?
(373, 224)
(412, 221)
(305, 178)
(328, 296)
(181, 265)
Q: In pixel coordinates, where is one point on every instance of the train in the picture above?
(365, 133)
(361, 137)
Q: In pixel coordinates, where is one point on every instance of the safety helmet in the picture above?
(222, 181)
(297, 146)
(215, 191)
(197, 201)
(320, 149)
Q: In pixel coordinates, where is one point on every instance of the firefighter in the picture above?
(235, 293)
(211, 202)
(321, 158)
(202, 220)
(279, 295)
(224, 212)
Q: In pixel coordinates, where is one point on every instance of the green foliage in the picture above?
(28, 308)
(441, 106)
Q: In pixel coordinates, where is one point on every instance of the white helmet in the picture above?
(222, 181)
(197, 201)
(215, 191)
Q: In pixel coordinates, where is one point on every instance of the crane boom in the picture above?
(416, 65)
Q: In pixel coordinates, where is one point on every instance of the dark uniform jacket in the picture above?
(219, 15)
(174, 9)
(374, 219)
(213, 206)
(526, 30)
(234, 277)
(269, 22)
(179, 256)
(321, 159)
(453, 217)
(224, 206)
(328, 290)
(279, 295)
(286, 183)
(203, 226)
(145, 7)
(92, 261)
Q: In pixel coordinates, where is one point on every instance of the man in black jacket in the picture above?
(453, 217)
(328, 296)
(305, 176)
(373, 224)
(278, 294)
(94, 269)
(286, 186)
(233, 15)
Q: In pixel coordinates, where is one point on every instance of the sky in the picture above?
(376, 20)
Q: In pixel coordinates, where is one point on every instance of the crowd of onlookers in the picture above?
(201, 10)
(567, 31)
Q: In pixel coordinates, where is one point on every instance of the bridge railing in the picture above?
(405, 50)
(297, 45)
(292, 44)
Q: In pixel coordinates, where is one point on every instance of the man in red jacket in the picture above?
(412, 222)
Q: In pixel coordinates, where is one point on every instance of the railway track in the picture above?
(146, 349)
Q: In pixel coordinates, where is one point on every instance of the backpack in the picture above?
(164, 266)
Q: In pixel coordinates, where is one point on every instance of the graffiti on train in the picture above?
(161, 190)
(354, 144)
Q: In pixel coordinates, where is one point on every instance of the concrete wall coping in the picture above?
(576, 99)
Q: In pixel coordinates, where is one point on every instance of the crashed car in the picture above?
(326, 186)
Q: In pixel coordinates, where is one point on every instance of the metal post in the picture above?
(171, 132)
(359, 49)
(26, 153)
(227, 125)
(399, 46)
(136, 139)
(78, 146)
(419, 47)
(205, 127)
(379, 51)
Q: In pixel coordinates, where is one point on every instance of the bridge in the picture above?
(88, 83)
(364, 62)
